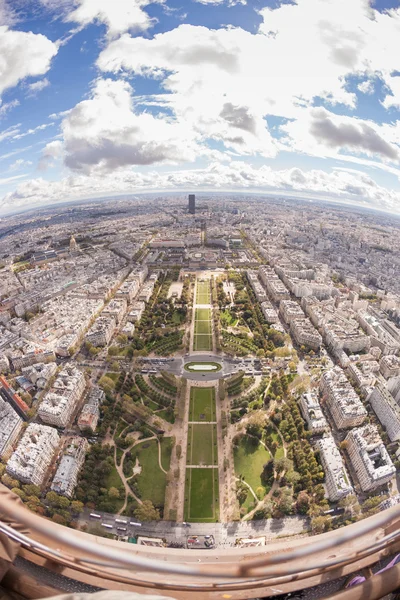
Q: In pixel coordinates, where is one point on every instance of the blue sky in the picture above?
(100, 97)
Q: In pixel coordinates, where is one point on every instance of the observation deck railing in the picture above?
(280, 567)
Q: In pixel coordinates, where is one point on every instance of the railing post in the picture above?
(8, 547)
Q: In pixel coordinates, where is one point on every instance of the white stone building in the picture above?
(369, 457)
(345, 406)
(10, 427)
(305, 334)
(290, 310)
(34, 454)
(336, 478)
(390, 366)
(66, 476)
(387, 410)
(101, 331)
(60, 402)
(312, 413)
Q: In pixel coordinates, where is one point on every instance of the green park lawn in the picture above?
(201, 494)
(202, 448)
(152, 480)
(202, 327)
(203, 314)
(202, 404)
(203, 292)
(202, 342)
(250, 459)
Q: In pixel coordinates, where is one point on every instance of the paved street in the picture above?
(225, 534)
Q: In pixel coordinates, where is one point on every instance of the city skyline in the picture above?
(100, 99)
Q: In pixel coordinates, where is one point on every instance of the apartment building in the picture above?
(90, 414)
(60, 402)
(66, 477)
(136, 312)
(336, 478)
(256, 286)
(344, 404)
(32, 358)
(390, 366)
(40, 374)
(289, 310)
(4, 364)
(369, 457)
(312, 413)
(305, 334)
(10, 428)
(128, 290)
(116, 310)
(34, 453)
(66, 343)
(101, 331)
(277, 291)
(387, 410)
(270, 314)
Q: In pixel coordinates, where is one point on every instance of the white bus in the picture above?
(107, 525)
(121, 528)
(95, 516)
(121, 521)
(135, 524)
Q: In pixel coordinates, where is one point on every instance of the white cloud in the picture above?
(302, 51)
(38, 86)
(367, 87)
(118, 15)
(7, 15)
(7, 106)
(7, 180)
(10, 132)
(105, 133)
(354, 187)
(20, 163)
(23, 54)
(217, 2)
(51, 152)
(32, 131)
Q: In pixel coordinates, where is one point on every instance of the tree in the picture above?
(147, 512)
(113, 493)
(283, 464)
(59, 519)
(52, 498)
(321, 524)
(303, 502)
(77, 506)
(10, 482)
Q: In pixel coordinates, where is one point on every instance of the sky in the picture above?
(116, 97)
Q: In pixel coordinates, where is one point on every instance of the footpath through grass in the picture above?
(152, 480)
(250, 457)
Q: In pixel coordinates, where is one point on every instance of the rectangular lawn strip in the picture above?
(201, 493)
(202, 404)
(152, 480)
(202, 327)
(202, 342)
(249, 458)
(202, 445)
(202, 314)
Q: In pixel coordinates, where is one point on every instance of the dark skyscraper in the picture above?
(192, 204)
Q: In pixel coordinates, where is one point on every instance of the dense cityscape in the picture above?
(171, 364)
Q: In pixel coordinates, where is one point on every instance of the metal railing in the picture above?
(281, 566)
